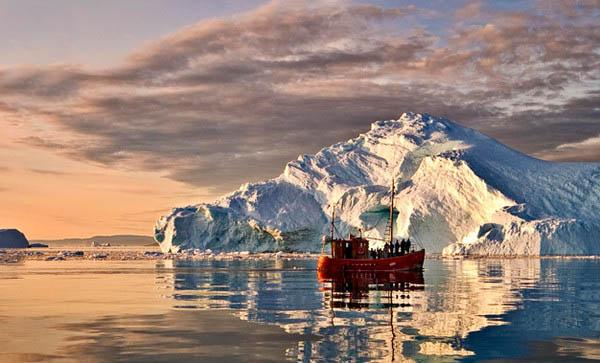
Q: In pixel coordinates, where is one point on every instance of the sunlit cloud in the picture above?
(587, 149)
(587, 143)
(232, 99)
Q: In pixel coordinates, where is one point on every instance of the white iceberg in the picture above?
(459, 193)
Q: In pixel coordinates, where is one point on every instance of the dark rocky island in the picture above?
(12, 238)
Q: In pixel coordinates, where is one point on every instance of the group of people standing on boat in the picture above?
(391, 249)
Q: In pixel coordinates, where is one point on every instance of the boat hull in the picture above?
(409, 262)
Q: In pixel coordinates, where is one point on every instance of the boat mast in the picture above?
(392, 213)
(332, 222)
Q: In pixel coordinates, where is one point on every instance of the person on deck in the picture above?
(397, 248)
(408, 245)
(402, 247)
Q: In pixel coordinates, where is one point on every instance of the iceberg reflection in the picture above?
(402, 316)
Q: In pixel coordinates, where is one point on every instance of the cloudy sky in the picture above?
(113, 111)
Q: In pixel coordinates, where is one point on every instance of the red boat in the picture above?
(331, 265)
(353, 254)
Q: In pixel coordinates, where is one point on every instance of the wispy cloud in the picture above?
(231, 99)
(585, 144)
(47, 172)
(586, 149)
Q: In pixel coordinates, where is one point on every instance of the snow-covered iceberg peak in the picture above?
(459, 192)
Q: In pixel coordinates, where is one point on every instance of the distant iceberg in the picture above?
(459, 193)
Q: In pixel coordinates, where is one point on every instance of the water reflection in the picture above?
(558, 316)
(370, 290)
(512, 309)
(362, 317)
(107, 311)
(365, 291)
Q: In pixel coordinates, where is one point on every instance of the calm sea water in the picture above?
(273, 310)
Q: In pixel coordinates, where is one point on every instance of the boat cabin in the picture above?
(351, 248)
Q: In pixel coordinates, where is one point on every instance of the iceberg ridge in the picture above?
(459, 193)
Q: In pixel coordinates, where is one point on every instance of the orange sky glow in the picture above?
(50, 197)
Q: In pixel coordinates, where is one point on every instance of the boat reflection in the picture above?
(372, 291)
(353, 290)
